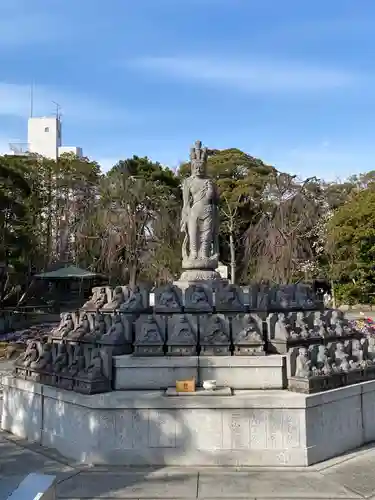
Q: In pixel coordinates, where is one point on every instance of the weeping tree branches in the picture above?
(279, 246)
(130, 227)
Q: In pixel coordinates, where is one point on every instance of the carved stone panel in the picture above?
(198, 298)
(247, 335)
(229, 298)
(259, 296)
(214, 335)
(168, 299)
(182, 334)
(149, 335)
(119, 335)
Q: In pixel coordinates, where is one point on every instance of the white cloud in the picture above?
(252, 75)
(15, 100)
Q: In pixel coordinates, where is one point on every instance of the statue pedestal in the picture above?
(200, 271)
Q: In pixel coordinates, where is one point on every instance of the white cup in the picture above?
(209, 385)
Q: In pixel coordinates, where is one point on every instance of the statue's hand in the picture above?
(182, 226)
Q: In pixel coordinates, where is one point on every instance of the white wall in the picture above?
(44, 136)
(70, 149)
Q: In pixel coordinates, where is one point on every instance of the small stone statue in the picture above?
(302, 363)
(168, 299)
(215, 331)
(117, 299)
(229, 297)
(65, 327)
(340, 355)
(116, 333)
(357, 351)
(31, 354)
(44, 361)
(281, 327)
(102, 299)
(62, 358)
(282, 299)
(77, 366)
(134, 302)
(81, 330)
(95, 368)
(327, 367)
(300, 325)
(100, 326)
(319, 326)
(198, 298)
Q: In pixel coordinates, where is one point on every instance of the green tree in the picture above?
(16, 236)
(351, 240)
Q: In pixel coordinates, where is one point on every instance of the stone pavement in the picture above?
(349, 477)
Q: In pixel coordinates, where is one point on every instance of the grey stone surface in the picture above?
(358, 474)
(178, 484)
(269, 485)
(347, 477)
(17, 461)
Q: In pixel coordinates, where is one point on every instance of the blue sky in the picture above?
(289, 81)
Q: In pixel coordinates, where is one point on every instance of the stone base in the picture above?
(236, 372)
(137, 373)
(244, 372)
(250, 428)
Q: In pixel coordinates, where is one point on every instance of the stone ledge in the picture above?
(273, 360)
(219, 391)
(130, 361)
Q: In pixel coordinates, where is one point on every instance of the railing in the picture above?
(21, 148)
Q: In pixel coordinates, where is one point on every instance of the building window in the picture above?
(46, 129)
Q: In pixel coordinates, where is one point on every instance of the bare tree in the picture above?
(230, 223)
(279, 246)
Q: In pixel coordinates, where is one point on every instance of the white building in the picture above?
(44, 137)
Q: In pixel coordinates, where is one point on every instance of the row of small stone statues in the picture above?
(148, 333)
(78, 367)
(325, 360)
(199, 297)
(305, 325)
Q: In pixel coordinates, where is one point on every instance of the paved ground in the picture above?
(350, 477)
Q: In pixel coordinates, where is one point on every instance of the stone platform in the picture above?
(140, 428)
(237, 372)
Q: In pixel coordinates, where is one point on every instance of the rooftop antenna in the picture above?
(31, 100)
(58, 108)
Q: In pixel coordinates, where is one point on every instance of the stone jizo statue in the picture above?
(199, 217)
